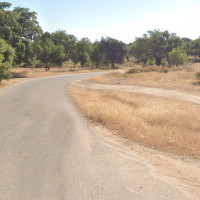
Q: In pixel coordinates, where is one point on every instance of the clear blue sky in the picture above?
(120, 19)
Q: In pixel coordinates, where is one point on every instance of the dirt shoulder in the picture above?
(181, 172)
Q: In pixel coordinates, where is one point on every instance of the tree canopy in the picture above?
(83, 52)
(6, 60)
(49, 53)
(178, 56)
(20, 29)
(155, 44)
(113, 51)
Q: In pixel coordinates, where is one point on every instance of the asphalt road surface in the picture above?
(47, 151)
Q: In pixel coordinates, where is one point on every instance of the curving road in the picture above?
(47, 151)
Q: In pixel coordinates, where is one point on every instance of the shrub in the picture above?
(152, 62)
(164, 70)
(147, 69)
(6, 60)
(178, 57)
(164, 62)
(134, 70)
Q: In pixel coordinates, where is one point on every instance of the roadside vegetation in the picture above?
(23, 44)
(183, 78)
(168, 125)
(162, 123)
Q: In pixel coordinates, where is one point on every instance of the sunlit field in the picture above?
(181, 78)
(167, 125)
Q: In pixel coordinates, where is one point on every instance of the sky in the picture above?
(120, 19)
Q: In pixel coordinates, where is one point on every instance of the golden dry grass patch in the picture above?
(20, 74)
(41, 72)
(168, 125)
(184, 80)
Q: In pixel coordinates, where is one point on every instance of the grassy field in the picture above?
(182, 78)
(167, 125)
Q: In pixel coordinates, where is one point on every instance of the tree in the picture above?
(6, 60)
(30, 53)
(97, 56)
(83, 52)
(5, 5)
(9, 25)
(20, 29)
(28, 22)
(113, 51)
(195, 48)
(140, 50)
(67, 41)
(178, 56)
(155, 45)
(161, 43)
(188, 44)
(19, 47)
(49, 53)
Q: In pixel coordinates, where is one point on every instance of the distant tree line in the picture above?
(164, 48)
(23, 43)
(158, 48)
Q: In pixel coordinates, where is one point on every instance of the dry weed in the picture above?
(41, 72)
(176, 80)
(168, 125)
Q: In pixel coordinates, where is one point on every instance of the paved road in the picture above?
(47, 151)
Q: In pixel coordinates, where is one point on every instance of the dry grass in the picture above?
(20, 74)
(5, 82)
(168, 125)
(41, 72)
(182, 79)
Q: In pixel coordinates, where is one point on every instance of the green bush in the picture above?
(178, 57)
(152, 62)
(164, 62)
(6, 60)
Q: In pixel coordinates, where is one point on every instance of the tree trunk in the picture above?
(47, 67)
(158, 61)
(167, 58)
(113, 65)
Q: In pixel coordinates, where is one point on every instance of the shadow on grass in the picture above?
(19, 74)
(197, 83)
